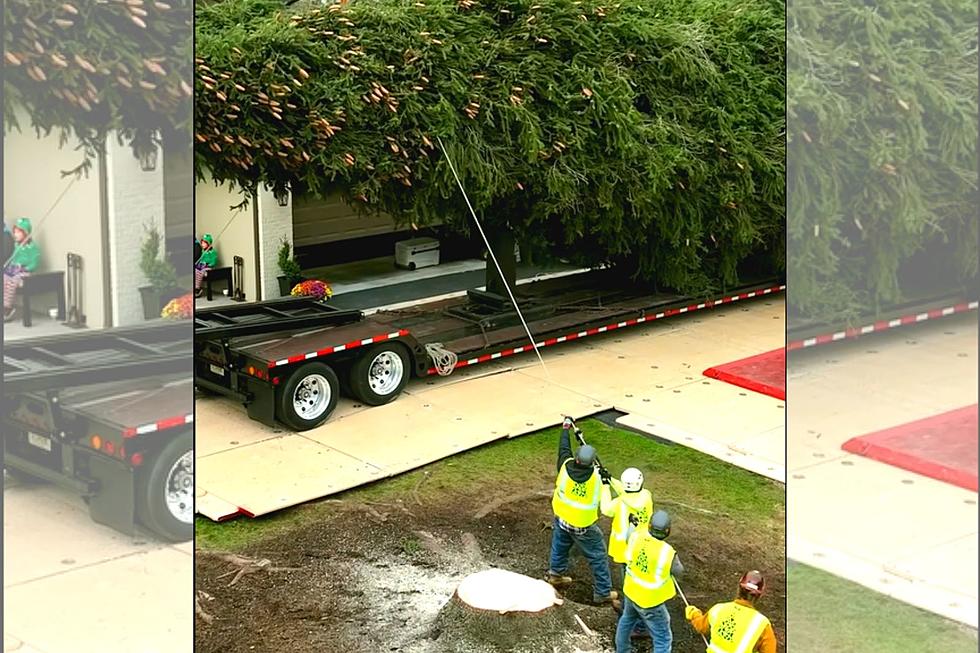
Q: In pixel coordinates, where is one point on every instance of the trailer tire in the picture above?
(321, 387)
(380, 373)
(166, 484)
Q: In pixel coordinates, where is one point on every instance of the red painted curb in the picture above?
(726, 374)
(877, 446)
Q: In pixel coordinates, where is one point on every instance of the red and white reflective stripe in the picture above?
(298, 358)
(611, 327)
(882, 325)
(160, 425)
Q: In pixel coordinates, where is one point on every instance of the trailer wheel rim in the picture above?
(311, 397)
(180, 488)
(385, 373)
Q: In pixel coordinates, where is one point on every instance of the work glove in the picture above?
(604, 475)
(691, 613)
(567, 424)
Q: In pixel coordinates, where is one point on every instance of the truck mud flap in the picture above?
(114, 503)
(262, 407)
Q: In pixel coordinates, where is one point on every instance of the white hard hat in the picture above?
(632, 480)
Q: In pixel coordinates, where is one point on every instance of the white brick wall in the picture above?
(275, 222)
(136, 200)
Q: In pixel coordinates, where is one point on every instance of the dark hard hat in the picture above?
(660, 524)
(753, 583)
(585, 455)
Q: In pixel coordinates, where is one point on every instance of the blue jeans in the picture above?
(592, 544)
(656, 619)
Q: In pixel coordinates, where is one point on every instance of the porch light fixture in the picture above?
(282, 197)
(148, 159)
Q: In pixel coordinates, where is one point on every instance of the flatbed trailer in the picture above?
(287, 360)
(107, 414)
(921, 307)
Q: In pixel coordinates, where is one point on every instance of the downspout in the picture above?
(106, 245)
(257, 253)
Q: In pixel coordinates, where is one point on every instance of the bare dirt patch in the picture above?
(377, 577)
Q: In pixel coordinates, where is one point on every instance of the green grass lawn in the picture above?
(682, 480)
(827, 614)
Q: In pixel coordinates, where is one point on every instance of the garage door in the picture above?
(318, 221)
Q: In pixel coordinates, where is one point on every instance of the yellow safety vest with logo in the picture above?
(626, 504)
(648, 582)
(576, 504)
(735, 628)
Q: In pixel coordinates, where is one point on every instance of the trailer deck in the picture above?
(107, 414)
(266, 354)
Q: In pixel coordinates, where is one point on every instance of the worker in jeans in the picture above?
(576, 507)
(651, 566)
(737, 626)
(632, 500)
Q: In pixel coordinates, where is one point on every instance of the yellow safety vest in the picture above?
(626, 504)
(735, 628)
(576, 504)
(648, 582)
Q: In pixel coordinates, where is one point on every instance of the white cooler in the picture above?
(417, 253)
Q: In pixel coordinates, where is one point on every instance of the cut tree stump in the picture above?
(499, 610)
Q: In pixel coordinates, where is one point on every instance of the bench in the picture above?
(217, 274)
(39, 284)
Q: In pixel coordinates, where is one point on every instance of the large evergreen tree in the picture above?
(882, 181)
(648, 134)
(85, 68)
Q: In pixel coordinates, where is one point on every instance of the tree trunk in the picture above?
(497, 610)
(502, 241)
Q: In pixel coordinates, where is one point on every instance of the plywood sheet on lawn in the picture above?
(407, 433)
(874, 504)
(212, 506)
(687, 348)
(710, 408)
(931, 566)
(280, 472)
(49, 531)
(227, 426)
(606, 377)
(872, 508)
(873, 575)
(842, 392)
(158, 583)
(757, 462)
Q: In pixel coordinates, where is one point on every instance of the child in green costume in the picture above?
(209, 258)
(24, 260)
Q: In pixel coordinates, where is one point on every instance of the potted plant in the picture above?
(160, 274)
(291, 272)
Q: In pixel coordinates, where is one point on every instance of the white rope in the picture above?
(443, 359)
(40, 222)
(493, 256)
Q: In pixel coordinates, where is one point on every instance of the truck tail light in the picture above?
(109, 447)
(136, 459)
(96, 442)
